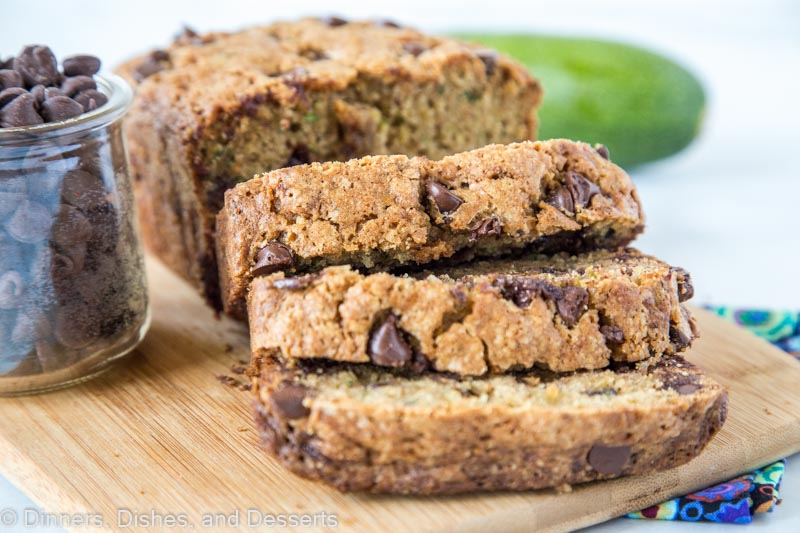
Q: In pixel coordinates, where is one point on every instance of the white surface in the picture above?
(726, 209)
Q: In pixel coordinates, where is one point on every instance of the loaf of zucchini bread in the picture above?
(212, 110)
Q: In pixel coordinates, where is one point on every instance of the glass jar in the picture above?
(73, 295)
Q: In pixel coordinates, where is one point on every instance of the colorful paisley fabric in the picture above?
(736, 501)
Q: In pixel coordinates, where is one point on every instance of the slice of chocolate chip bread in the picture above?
(559, 312)
(384, 211)
(212, 110)
(363, 428)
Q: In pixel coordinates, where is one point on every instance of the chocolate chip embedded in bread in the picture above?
(37, 65)
(572, 304)
(334, 22)
(685, 286)
(608, 460)
(581, 189)
(387, 346)
(156, 62)
(273, 257)
(613, 334)
(602, 150)
(489, 58)
(688, 388)
(299, 156)
(485, 228)
(446, 202)
(415, 48)
(561, 199)
(81, 65)
(287, 401)
(679, 338)
(522, 291)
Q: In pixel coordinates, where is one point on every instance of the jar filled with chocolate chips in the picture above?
(73, 295)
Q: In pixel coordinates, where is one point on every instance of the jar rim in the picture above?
(120, 96)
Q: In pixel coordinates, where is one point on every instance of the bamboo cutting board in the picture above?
(167, 432)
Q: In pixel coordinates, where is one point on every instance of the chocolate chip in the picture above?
(334, 22)
(69, 263)
(189, 36)
(37, 65)
(7, 95)
(82, 190)
(446, 201)
(387, 346)
(572, 304)
(159, 55)
(156, 62)
(489, 58)
(21, 111)
(80, 65)
(296, 283)
(613, 334)
(522, 291)
(52, 92)
(70, 227)
(581, 188)
(561, 199)
(608, 460)
(299, 156)
(602, 150)
(685, 286)
(11, 289)
(485, 228)
(38, 94)
(680, 339)
(60, 108)
(415, 48)
(384, 23)
(287, 400)
(688, 388)
(73, 86)
(272, 258)
(91, 99)
(10, 78)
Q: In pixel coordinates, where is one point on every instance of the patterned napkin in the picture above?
(736, 501)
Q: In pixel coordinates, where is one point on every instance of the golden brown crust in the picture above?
(381, 212)
(490, 316)
(219, 108)
(361, 429)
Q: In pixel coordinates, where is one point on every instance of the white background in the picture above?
(727, 208)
